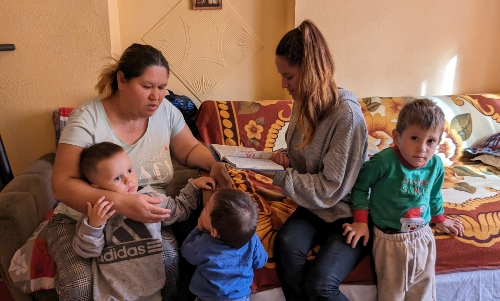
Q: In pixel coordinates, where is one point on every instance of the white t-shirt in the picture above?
(150, 155)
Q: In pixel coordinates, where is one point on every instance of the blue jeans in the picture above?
(319, 280)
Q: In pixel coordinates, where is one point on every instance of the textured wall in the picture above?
(385, 47)
(407, 47)
(60, 47)
(232, 59)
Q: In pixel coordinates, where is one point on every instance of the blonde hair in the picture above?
(133, 62)
(106, 78)
(306, 47)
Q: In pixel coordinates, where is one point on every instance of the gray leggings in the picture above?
(74, 273)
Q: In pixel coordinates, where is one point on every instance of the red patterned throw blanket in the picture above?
(260, 125)
(471, 191)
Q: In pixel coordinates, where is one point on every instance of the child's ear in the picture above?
(213, 233)
(395, 136)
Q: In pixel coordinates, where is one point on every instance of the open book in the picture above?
(245, 157)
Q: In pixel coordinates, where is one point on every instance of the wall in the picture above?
(236, 44)
(385, 47)
(60, 47)
(406, 47)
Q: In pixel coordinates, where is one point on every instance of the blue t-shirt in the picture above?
(222, 272)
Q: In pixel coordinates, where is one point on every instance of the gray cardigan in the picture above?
(323, 172)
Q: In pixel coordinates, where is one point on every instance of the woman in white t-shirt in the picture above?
(131, 112)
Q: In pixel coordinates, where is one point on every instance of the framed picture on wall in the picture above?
(207, 4)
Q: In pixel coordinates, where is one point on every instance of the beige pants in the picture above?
(405, 265)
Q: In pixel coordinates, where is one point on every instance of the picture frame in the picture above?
(207, 4)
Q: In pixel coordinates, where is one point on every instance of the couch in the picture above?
(23, 204)
(471, 191)
(468, 267)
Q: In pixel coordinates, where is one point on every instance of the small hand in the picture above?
(280, 158)
(204, 183)
(220, 174)
(453, 226)
(354, 232)
(100, 212)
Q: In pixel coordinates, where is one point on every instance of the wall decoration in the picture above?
(207, 4)
(203, 49)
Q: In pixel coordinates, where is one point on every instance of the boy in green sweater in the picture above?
(401, 188)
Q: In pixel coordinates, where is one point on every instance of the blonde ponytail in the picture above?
(106, 79)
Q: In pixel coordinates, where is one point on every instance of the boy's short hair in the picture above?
(92, 155)
(234, 216)
(422, 112)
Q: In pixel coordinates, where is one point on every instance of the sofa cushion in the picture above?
(59, 119)
(31, 267)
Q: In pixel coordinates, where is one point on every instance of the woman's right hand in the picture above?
(141, 208)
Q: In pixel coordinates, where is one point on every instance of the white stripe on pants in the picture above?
(405, 265)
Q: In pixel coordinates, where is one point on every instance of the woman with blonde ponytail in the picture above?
(130, 111)
(326, 146)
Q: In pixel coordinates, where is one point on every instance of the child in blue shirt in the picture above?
(401, 189)
(225, 247)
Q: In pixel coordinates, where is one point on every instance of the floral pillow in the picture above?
(488, 146)
(31, 267)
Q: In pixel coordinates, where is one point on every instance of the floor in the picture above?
(4, 292)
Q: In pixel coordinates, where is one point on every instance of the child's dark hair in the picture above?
(422, 112)
(234, 215)
(92, 155)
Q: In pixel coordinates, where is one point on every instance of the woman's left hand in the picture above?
(220, 174)
(280, 158)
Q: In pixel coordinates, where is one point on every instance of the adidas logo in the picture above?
(130, 240)
(130, 250)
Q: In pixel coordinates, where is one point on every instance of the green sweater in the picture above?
(401, 197)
